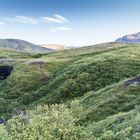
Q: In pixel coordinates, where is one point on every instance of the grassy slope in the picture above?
(122, 126)
(89, 74)
(68, 74)
(92, 71)
(110, 100)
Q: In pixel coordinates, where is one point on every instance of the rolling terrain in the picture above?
(84, 93)
(22, 46)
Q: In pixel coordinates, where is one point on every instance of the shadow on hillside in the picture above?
(5, 71)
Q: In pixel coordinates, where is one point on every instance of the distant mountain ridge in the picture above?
(55, 46)
(131, 38)
(23, 46)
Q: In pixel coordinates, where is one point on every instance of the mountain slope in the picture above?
(132, 38)
(23, 46)
(55, 46)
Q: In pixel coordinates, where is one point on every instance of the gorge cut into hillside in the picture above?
(5, 71)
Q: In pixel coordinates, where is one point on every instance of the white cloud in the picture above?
(55, 19)
(19, 19)
(2, 23)
(61, 18)
(63, 28)
(29, 20)
(6, 19)
(58, 29)
(26, 20)
(53, 30)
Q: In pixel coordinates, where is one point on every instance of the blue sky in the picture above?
(68, 22)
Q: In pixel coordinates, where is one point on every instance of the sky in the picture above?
(68, 22)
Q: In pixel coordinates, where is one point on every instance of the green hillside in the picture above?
(22, 46)
(82, 93)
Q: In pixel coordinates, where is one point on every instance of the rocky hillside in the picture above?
(132, 38)
(22, 46)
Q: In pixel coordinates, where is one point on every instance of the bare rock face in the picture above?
(132, 38)
(135, 80)
(5, 71)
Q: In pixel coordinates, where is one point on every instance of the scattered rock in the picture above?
(133, 81)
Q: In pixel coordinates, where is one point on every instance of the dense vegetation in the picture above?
(72, 94)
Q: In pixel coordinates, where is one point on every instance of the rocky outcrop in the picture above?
(132, 38)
